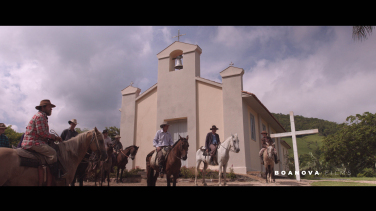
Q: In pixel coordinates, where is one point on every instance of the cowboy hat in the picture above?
(163, 124)
(73, 121)
(214, 128)
(117, 136)
(264, 132)
(43, 103)
(2, 125)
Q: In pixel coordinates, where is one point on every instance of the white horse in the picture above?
(223, 156)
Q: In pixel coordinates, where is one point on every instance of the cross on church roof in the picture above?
(131, 83)
(178, 35)
(231, 64)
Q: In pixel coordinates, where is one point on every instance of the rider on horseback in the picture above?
(162, 141)
(266, 139)
(37, 134)
(211, 143)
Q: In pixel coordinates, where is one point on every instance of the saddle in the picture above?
(214, 161)
(33, 159)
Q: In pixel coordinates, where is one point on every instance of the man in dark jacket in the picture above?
(70, 132)
(211, 144)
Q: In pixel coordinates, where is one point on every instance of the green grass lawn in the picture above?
(302, 143)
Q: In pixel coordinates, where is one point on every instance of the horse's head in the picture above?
(97, 144)
(269, 149)
(235, 142)
(183, 147)
(133, 152)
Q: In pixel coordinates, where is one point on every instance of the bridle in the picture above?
(181, 147)
(94, 159)
(229, 147)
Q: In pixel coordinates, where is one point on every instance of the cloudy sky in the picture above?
(315, 71)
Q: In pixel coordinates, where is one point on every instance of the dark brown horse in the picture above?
(178, 152)
(70, 154)
(105, 166)
(121, 160)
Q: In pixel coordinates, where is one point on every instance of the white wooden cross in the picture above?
(293, 134)
(178, 35)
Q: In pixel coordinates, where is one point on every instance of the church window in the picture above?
(253, 128)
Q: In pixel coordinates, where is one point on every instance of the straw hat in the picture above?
(163, 124)
(73, 121)
(2, 125)
(117, 136)
(43, 103)
(264, 132)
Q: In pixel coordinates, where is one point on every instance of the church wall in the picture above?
(254, 144)
(146, 119)
(209, 111)
(177, 95)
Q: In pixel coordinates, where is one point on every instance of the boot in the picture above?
(161, 170)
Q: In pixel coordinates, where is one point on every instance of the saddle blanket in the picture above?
(154, 161)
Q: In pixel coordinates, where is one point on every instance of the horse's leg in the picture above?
(108, 177)
(155, 177)
(174, 179)
(220, 173)
(117, 174)
(198, 162)
(121, 175)
(204, 173)
(81, 180)
(224, 174)
(168, 177)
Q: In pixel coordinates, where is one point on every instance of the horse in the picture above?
(268, 156)
(122, 160)
(223, 157)
(178, 152)
(105, 166)
(70, 154)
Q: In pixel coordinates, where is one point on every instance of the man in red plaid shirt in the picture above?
(37, 133)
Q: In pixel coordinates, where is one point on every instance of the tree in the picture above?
(361, 32)
(13, 137)
(113, 131)
(81, 131)
(354, 145)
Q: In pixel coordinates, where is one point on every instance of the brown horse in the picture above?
(70, 154)
(269, 163)
(122, 160)
(178, 152)
(105, 166)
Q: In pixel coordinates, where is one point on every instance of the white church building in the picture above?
(191, 105)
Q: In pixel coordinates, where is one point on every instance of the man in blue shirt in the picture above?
(4, 141)
(162, 141)
(211, 144)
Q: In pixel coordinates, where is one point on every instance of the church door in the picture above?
(178, 127)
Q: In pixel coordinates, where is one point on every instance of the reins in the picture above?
(229, 148)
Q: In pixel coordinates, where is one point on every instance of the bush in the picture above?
(367, 172)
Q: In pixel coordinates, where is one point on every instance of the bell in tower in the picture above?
(178, 62)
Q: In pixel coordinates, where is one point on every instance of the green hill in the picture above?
(303, 123)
